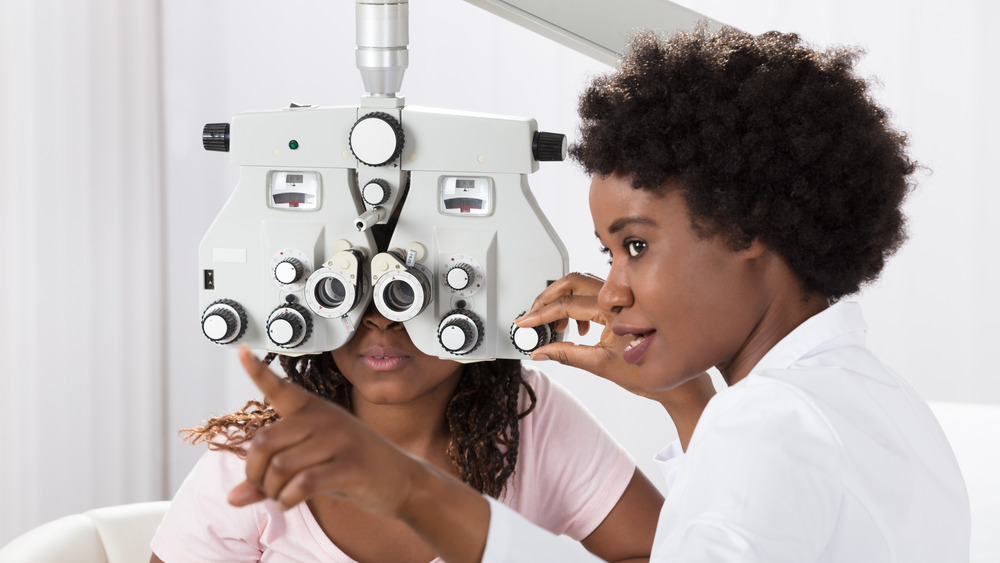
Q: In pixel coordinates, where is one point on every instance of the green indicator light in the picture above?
(293, 144)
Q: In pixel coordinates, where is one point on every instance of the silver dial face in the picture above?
(466, 195)
(293, 190)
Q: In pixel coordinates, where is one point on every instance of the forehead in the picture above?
(613, 202)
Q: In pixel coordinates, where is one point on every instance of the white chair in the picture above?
(115, 534)
(974, 433)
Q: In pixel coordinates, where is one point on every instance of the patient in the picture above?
(502, 427)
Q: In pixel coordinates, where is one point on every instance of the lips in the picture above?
(380, 358)
(639, 341)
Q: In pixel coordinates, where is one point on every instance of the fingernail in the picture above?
(540, 357)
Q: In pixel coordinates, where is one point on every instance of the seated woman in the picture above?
(503, 428)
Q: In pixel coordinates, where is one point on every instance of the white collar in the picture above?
(842, 319)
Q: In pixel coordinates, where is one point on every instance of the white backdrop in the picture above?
(129, 169)
(82, 341)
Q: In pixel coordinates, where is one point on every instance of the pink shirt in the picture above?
(570, 473)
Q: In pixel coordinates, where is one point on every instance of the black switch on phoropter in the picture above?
(215, 137)
(548, 146)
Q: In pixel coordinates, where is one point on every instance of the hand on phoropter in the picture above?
(574, 296)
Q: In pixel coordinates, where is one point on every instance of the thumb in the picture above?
(283, 396)
(245, 493)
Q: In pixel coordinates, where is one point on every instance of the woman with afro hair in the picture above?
(743, 187)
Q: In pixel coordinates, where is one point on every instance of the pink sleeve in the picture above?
(570, 471)
(200, 525)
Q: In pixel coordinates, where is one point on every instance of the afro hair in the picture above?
(767, 138)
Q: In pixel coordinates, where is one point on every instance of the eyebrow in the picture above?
(620, 224)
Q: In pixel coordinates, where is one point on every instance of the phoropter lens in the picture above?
(399, 296)
(331, 292)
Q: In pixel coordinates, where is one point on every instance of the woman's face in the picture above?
(688, 303)
(385, 367)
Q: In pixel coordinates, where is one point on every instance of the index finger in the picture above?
(574, 283)
(581, 308)
(283, 396)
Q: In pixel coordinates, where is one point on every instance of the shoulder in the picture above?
(550, 396)
(215, 469)
(765, 420)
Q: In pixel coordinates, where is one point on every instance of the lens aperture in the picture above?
(399, 295)
(331, 292)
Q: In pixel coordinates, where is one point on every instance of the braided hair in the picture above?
(482, 416)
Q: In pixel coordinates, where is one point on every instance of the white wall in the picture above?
(81, 292)
(933, 316)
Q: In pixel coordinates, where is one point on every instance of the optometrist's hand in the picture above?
(574, 297)
(319, 448)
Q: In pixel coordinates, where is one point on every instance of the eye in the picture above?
(606, 251)
(635, 247)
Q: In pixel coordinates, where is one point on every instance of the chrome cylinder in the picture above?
(383, 37)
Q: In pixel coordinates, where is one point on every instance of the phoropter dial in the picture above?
(224, 321)
(460, 332)
(288, 271)
(528, 339)
(376, 192)
(376, 138)
(460, 276)
(289, 325)
(289, 268)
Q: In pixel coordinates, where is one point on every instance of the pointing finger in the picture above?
(283, 396)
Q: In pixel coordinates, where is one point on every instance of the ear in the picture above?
(755, 250)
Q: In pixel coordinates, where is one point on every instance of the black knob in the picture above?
(376, 138)
(289, 326)
(460, 332)
(548, 146)
(215, 137)
(224, 321)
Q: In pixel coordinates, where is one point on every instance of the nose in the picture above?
(374, 319)
(615, 294)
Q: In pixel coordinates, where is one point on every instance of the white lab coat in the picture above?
(820, 454)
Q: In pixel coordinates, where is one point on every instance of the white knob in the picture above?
(375, 192)
(526, 338)
(459, 277)
(288, 271)
(376, 138)
(217, 326)
(454, 338)
(223, 322)
(460, 332)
